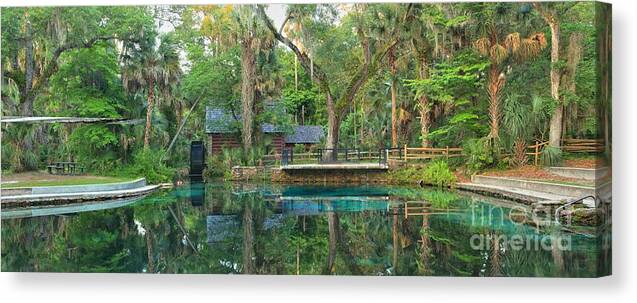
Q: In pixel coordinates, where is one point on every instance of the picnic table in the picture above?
(65, 168)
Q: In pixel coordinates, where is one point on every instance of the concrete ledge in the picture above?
(517, 195)
(40, 190)
(67, 209)
(579, 173)
(336, 166)
(545, 187)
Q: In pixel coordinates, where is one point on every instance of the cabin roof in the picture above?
(305, 134)
(220, 121)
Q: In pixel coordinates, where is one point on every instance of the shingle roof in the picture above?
(310, 134)
(219, 121)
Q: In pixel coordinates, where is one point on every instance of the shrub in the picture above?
(479, 155)
(438, 173)
(551, 156)
(146, 163)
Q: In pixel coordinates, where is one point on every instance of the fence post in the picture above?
(405, 152)
(447, 152)
(536, 151)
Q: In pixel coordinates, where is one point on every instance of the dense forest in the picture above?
(491, 78)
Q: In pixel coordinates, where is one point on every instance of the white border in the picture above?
(211, 288)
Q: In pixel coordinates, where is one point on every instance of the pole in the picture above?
(179, 129)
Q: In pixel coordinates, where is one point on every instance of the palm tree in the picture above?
(150, 68)
(498, 47)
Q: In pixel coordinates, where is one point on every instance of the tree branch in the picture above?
(306, 63)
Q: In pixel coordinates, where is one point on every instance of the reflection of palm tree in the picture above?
(149, 251)
(248, 241)
(424, 245)
(395, 241)
(496, 265)
(556, 252)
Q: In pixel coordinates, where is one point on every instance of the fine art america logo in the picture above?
(540, 217)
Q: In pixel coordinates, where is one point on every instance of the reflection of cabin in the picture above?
(223, 130)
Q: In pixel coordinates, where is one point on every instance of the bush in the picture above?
(147, 164)
(220, 166)
(479, 155)
(438, 173)
(551, 156)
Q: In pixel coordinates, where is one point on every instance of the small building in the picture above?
(223, 127)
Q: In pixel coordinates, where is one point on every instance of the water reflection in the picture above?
(197, 191)
(265, 229)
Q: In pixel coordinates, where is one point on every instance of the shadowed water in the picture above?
(263, 229)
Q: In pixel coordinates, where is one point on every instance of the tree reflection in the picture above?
(240, 229)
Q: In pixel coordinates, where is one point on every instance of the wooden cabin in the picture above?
(224, 131)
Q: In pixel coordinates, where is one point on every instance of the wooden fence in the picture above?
(568, 145)
(425, 153)
(583, 145)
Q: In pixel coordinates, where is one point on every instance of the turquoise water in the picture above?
(265, 229)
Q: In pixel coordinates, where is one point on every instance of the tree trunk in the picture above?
(149, 112)
(332, 124)
(394, 121)
(423, 105)
(27, 97)
(555, 127)
(573, 58)
(248, 83)
(496, 83)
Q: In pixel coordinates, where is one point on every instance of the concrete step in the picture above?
(589, 174)
(535, 186)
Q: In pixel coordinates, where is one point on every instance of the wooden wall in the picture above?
(219, 141)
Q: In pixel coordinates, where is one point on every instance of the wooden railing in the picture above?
(425, 153)
(568, 145)
(583, 145)
(536, 151)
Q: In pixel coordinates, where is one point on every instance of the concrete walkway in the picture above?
(59, 195)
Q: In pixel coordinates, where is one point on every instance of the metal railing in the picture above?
(560, 208)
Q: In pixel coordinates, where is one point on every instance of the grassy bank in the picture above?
(32, 179)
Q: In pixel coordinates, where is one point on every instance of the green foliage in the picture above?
(479, 155)
(551, 156)
(408, 175)
(146, 163)
(220, 165)
(435, 173)
(438, 173)
(454, 84)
